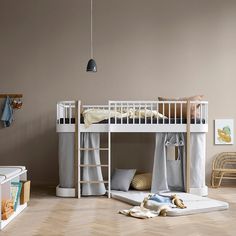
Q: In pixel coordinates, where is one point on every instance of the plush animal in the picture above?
(154, 205)
(177, 201)
(162, 204)
(160, 208)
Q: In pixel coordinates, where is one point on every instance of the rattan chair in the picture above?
(224, 167)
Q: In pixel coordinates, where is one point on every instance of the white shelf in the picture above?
(5, 193)
(19, 209)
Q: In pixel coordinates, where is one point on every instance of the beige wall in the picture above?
(143, 48)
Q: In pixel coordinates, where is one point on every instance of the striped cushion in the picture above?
(142, 181)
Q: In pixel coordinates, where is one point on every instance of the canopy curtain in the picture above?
(168, 171)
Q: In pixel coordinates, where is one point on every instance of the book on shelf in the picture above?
(15, 193)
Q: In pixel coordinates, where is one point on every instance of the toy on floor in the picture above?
(154, 205)
(178, 202)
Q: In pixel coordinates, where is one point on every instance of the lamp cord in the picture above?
(91, 28)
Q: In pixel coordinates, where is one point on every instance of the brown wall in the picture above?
(143, 48)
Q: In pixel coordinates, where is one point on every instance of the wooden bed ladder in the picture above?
(78, 150)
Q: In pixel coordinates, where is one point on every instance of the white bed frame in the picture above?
(72, 109)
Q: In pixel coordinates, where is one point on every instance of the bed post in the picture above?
(77, 149)
(109, 151)
(188, 156)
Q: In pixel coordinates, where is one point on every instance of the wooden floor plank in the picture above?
(50, 215)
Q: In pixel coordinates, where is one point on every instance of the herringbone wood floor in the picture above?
(49, 215)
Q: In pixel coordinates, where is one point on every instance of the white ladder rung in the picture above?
(90, 165)
(94, 149)
(92, 182)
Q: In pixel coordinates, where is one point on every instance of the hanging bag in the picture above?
(174, 164)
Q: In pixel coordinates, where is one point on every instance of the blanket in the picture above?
(92, 116)
(140, 212)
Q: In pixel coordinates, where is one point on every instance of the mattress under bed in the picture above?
(195, 204)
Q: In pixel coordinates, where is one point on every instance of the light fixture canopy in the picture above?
(92, 65)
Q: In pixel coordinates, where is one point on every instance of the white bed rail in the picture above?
(127, 116)
(158, 112)
(65, 112)
(102, 107)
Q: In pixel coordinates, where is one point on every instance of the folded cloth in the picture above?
(7, 114)
(7, 214)
(6, 205)
(139, 212)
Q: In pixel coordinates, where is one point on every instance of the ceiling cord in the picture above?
(91, 28)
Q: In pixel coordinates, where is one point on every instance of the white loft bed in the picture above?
(141, 116)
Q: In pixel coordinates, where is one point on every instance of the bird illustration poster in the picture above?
(224, 131)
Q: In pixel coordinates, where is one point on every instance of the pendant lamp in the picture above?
(91, 66)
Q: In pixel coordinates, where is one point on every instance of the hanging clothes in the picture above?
(7, 114)
(168, 174)
(91, 140)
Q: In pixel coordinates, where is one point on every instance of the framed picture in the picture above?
(224, 131)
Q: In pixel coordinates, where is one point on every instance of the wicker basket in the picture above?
(224, 167)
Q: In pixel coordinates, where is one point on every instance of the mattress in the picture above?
(195, 204)
(9, 171)
(135, 121)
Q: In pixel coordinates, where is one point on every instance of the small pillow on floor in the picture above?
(142, 181)
(122, 178)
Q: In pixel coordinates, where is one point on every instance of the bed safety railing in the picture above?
(65, 112)
(152, 113)
(158, 112)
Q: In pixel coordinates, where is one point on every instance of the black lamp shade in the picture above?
(92, 66)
